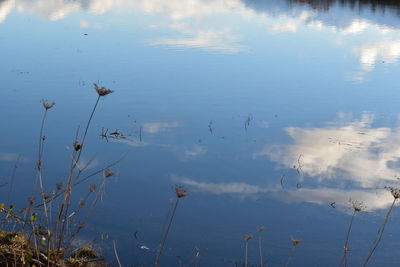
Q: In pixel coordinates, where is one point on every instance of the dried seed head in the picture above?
(357, 205)
(108, 173)
(47, 195)
(295, 241)
(47, 105)
(92, 188)
(247, 237)
(77, 146)
(101, 91)
(394, 191)
(180, 191)
(260, 228)
(82, 202)
(31, 200)
(59, 186)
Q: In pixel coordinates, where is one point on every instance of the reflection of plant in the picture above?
(246, 238)
(396, 195)
(295, 242)
(357, 206)
(260, 229)
(180, 192)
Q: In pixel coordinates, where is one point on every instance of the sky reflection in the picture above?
(222, 96)
(198, 25)
(346, 159)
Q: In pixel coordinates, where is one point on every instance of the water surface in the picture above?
(266, 111)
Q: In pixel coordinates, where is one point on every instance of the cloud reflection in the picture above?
(12, 157)
(343, 160)
(276, 16)
(373, 199)
(156, 127)
(347, 151)
(222, 41)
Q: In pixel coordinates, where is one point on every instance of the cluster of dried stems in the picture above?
(50, 225)
(358, 207)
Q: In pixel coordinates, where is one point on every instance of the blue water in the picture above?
(224, 98)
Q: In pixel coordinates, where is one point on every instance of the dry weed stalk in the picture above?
(260, 229)
(63, 211)
(357, 206)
(180, 192)
(47, 239)
(295, 242)
(247, 238)
(395, 192)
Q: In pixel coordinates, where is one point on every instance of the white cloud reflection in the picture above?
(12, 157)
(5, 9)
(346, 159)
(376, 33)
(385, 50)
(352, 151)
(156, 127)
(373, 199)
(222, 41)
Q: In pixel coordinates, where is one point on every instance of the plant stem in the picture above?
(345, 248)
(379, 234)
(165, 234)
(290, 256)
(260, 248)
(245, 256)
(63, 212)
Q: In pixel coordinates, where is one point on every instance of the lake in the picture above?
(279, 113)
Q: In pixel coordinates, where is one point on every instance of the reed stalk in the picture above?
(396, 195)
(180, 193)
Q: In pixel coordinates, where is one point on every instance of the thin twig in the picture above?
(379, 234)
(116, 254)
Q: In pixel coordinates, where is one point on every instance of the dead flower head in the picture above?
(247, 237)
(59, 186)
(77, 146)
(31, 200)
(357, 205)
(92, 188)
(47, 105)
(180, 191)
(47, 195)
(260, 228)
(101, 90)
(394, 191)
(108, 173)
(295, 241)
(82, 202)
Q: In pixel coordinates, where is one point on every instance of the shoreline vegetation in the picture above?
(42, 233)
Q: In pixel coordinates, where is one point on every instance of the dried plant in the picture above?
(295, 242)
(73, 177)
(395, 192)
(44, 239)
(180, 193)
(247, 238)
(102, 91)
(260, 229)
(357, 206)
(108, 173)
(47, 105)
